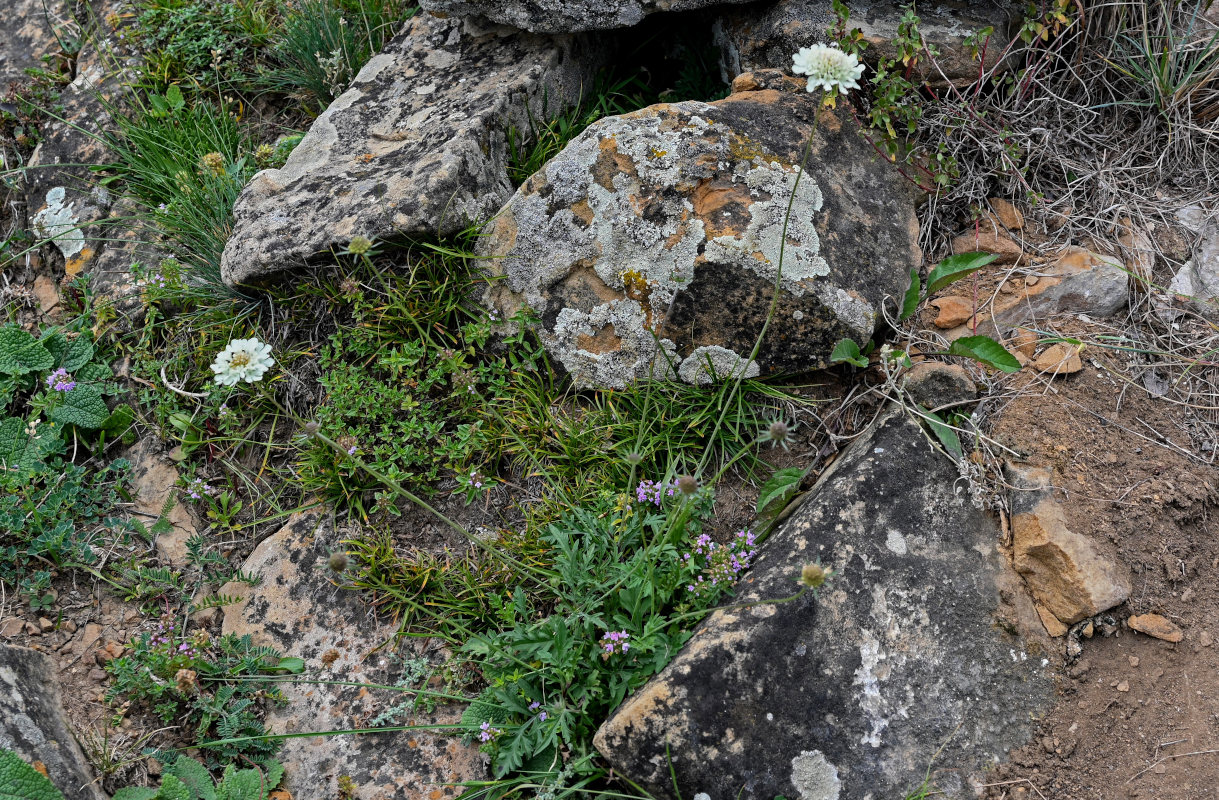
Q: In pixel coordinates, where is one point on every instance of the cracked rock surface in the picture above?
(416, 147)
(650, 246)
(922, 639)
(565, 16)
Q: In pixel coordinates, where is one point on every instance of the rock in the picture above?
(34, 726)
(850, 693)
(47, 293)
(1205, 639)
(12, 627)
(45, 625)
(1155, 625)
(1059, 359)
(1052, 625)
(1198, 279)
(566, 16)
(1077, 282)
(297, 610)
(989, 239)
(88, 637)
(953, 310)
(154, 478)
(1008, 215)
(416, 146)
(934, 384)
(65, 202)
(26, 36)
(650, 244)
(1024, 342)
(1064, 570)
(131, 240)
(768, 35)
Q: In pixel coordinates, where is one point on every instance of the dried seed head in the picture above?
(634, 458)
(187, 681)
(777, 433)
(687, 485)
(337, 562)
(814, 576)
(312, 428)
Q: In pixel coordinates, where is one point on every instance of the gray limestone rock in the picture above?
(33, 725)
(299, 610)
(922, 639)
(934, 384)
(567, 16)
(27, 35)
(416, 146)
(651, 244)
(768, 35)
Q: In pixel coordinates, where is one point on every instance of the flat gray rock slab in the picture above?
(299, 609)
(25, 37)
(651, 245)
(565, 16)
(850, 695)
(33, 725)
(416, 147)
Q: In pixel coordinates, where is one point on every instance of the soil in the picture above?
(1138, 716)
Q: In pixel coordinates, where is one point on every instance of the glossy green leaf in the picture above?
(956, 267)
(913, 294)
(985, 350)
(846, 350)
(947, 436)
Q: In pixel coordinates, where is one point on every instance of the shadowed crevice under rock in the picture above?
(923, 638)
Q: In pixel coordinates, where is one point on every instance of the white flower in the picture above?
(242, 360)
(827, 67)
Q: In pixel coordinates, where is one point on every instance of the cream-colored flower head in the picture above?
(242, 360)
(827, 67)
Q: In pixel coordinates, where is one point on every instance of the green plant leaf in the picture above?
(173, 95)
(20, 781)
(275, 774)
(82, 407)
(846, 350)
(195, 776)
(947, 436)
(21, 353)
(985, 350)
(910, 303)
(291, 664)
(94, 372)
(956, 267)
(119, 420)
(237, 784)
(136, 793)
(19, 449)
(781, 486)
(71, 355)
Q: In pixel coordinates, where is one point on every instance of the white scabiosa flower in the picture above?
(242, 360)
(827, 67)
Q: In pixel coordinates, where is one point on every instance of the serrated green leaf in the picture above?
(245, 784)
(21, 353)
(94, 372)
(275, 774)
(20, 781)
(19, 449)
(985, 350)
(136, 793)
(195, 776)
(846, 350)
(82, 407)
(913, 294)
(956, 267)
(947, 436)
(80, 350)
(781, 486)
(173, 95)
(173, 789)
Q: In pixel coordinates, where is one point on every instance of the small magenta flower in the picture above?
(651, 492)
(197, 488)
(615, 642)
(60, 381)
(487, 733)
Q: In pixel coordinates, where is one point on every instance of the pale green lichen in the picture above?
(814, 777)
(637, 354)
(58, 222)
(708, 364)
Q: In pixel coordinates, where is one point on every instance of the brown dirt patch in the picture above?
(1139, 717)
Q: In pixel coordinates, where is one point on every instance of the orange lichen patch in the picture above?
(582, 211)
(41, 767)
(609, 163)
(603, 341)
(76, 263)
(436, 795)
(280, 794)
(329, 657)
(714, 202)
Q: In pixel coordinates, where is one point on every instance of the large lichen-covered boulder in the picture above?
(923, 640)
(767, 35)
(651, 245)
(564, 16)
(33, 724)
(415, 147)
(299, 609)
